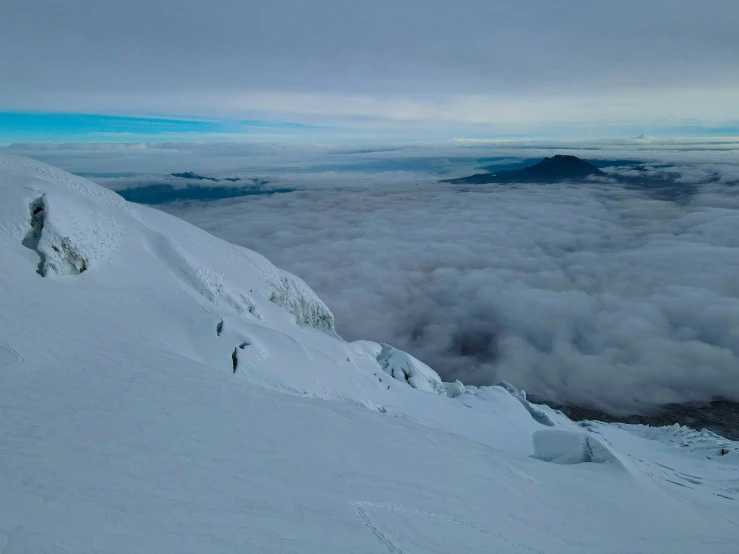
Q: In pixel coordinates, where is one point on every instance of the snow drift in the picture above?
(568, 447)
(403, 367)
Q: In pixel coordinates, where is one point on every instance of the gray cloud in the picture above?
(331, 45)
(505, 62)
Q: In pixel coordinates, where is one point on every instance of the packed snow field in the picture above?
(166, 391)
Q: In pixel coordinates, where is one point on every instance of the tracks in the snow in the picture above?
(496, 541)
(9, 357)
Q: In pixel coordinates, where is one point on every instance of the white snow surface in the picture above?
(561, 446)
(163, 391)
(404, 367)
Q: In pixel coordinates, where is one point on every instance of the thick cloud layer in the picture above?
(603, 294)
(513, 65)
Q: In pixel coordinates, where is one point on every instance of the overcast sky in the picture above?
(464, 66)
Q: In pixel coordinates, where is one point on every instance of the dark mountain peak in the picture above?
(561, 167)
(191, 175)
(566, 166)
(559, 159)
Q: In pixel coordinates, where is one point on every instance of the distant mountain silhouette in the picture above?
(196, 177)
(191, 175)
(549, 170)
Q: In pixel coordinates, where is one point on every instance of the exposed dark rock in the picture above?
(550, 170)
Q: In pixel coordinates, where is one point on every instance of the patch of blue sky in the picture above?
(76, 127)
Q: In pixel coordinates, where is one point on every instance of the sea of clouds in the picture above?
(606, 295)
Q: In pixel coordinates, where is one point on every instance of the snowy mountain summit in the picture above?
(164, 391)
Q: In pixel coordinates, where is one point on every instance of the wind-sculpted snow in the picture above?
(570, 447)
(538, 413)
(292, 294)
(69, 238)
(520, 395)
(71, 226)
(403, 367)
(165, 391)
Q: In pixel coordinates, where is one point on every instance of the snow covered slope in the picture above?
(164, 391)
